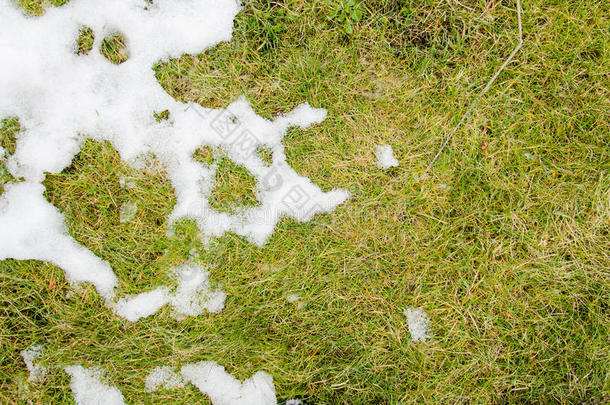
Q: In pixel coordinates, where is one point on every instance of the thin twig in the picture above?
(489, 84)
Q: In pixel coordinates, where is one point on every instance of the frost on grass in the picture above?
(88, 389)
(57, 93)
(385, 157)
(163, 377)
(419, 324)
(191, 297)
(30, 357)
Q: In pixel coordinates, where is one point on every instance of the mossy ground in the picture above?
(506, 244)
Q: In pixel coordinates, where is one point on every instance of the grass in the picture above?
(234, 188)
(506, 244)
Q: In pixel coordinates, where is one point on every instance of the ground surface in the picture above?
(506, 244)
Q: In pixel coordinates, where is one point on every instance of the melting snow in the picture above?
(194, 294)
(208, 376)
(165, 377)
(142, 305)
(224, 389)
(57, 95)
(192, 297)
(30, 356)
(385, 157)
(128, 184)
(128, 211)
(419, 324)
(88, 388)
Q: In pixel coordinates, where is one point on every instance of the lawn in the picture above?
(504, 241)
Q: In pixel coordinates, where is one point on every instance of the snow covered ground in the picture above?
(60, 98)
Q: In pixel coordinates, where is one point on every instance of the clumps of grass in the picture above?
(161, 116)
(114, 49)
(84, 42)
(346, 14)
(264, 22)
(409, 26)
(9, 127)
(38, 7)
(234, 186)
(5, 177)
(265, 154)
(204, 155)
(234, 189)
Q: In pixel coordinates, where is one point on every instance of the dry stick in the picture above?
(489, 84)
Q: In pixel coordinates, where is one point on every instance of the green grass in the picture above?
(234, 188)
(84, 42)
(9, 128)
(114, 49)
(506, 244)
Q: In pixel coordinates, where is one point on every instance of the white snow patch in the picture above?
(33, 229)
(2, 153)
(296, 299)
(88, 388)
(142, 305)
(192, 296)
(30, 357)
(292, 298)
(208, 376)
(57, 94)
(224, 389)
(128, 184)
(165, 377)
(194, 293)
(128, 211)
(419, 323)
(193, 253)
(385, 157)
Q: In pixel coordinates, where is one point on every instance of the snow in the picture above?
(292, 298)
(224, 389)
(58, 96)
(385, 157)
(194, 293)
(128, 184)
(33, 229)
(30, 356)
(192, 296)
(296, 299)
(142, 305)
(419, 324)
(208, 376)
(88, 389)
(165, 377)
(128, 211)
